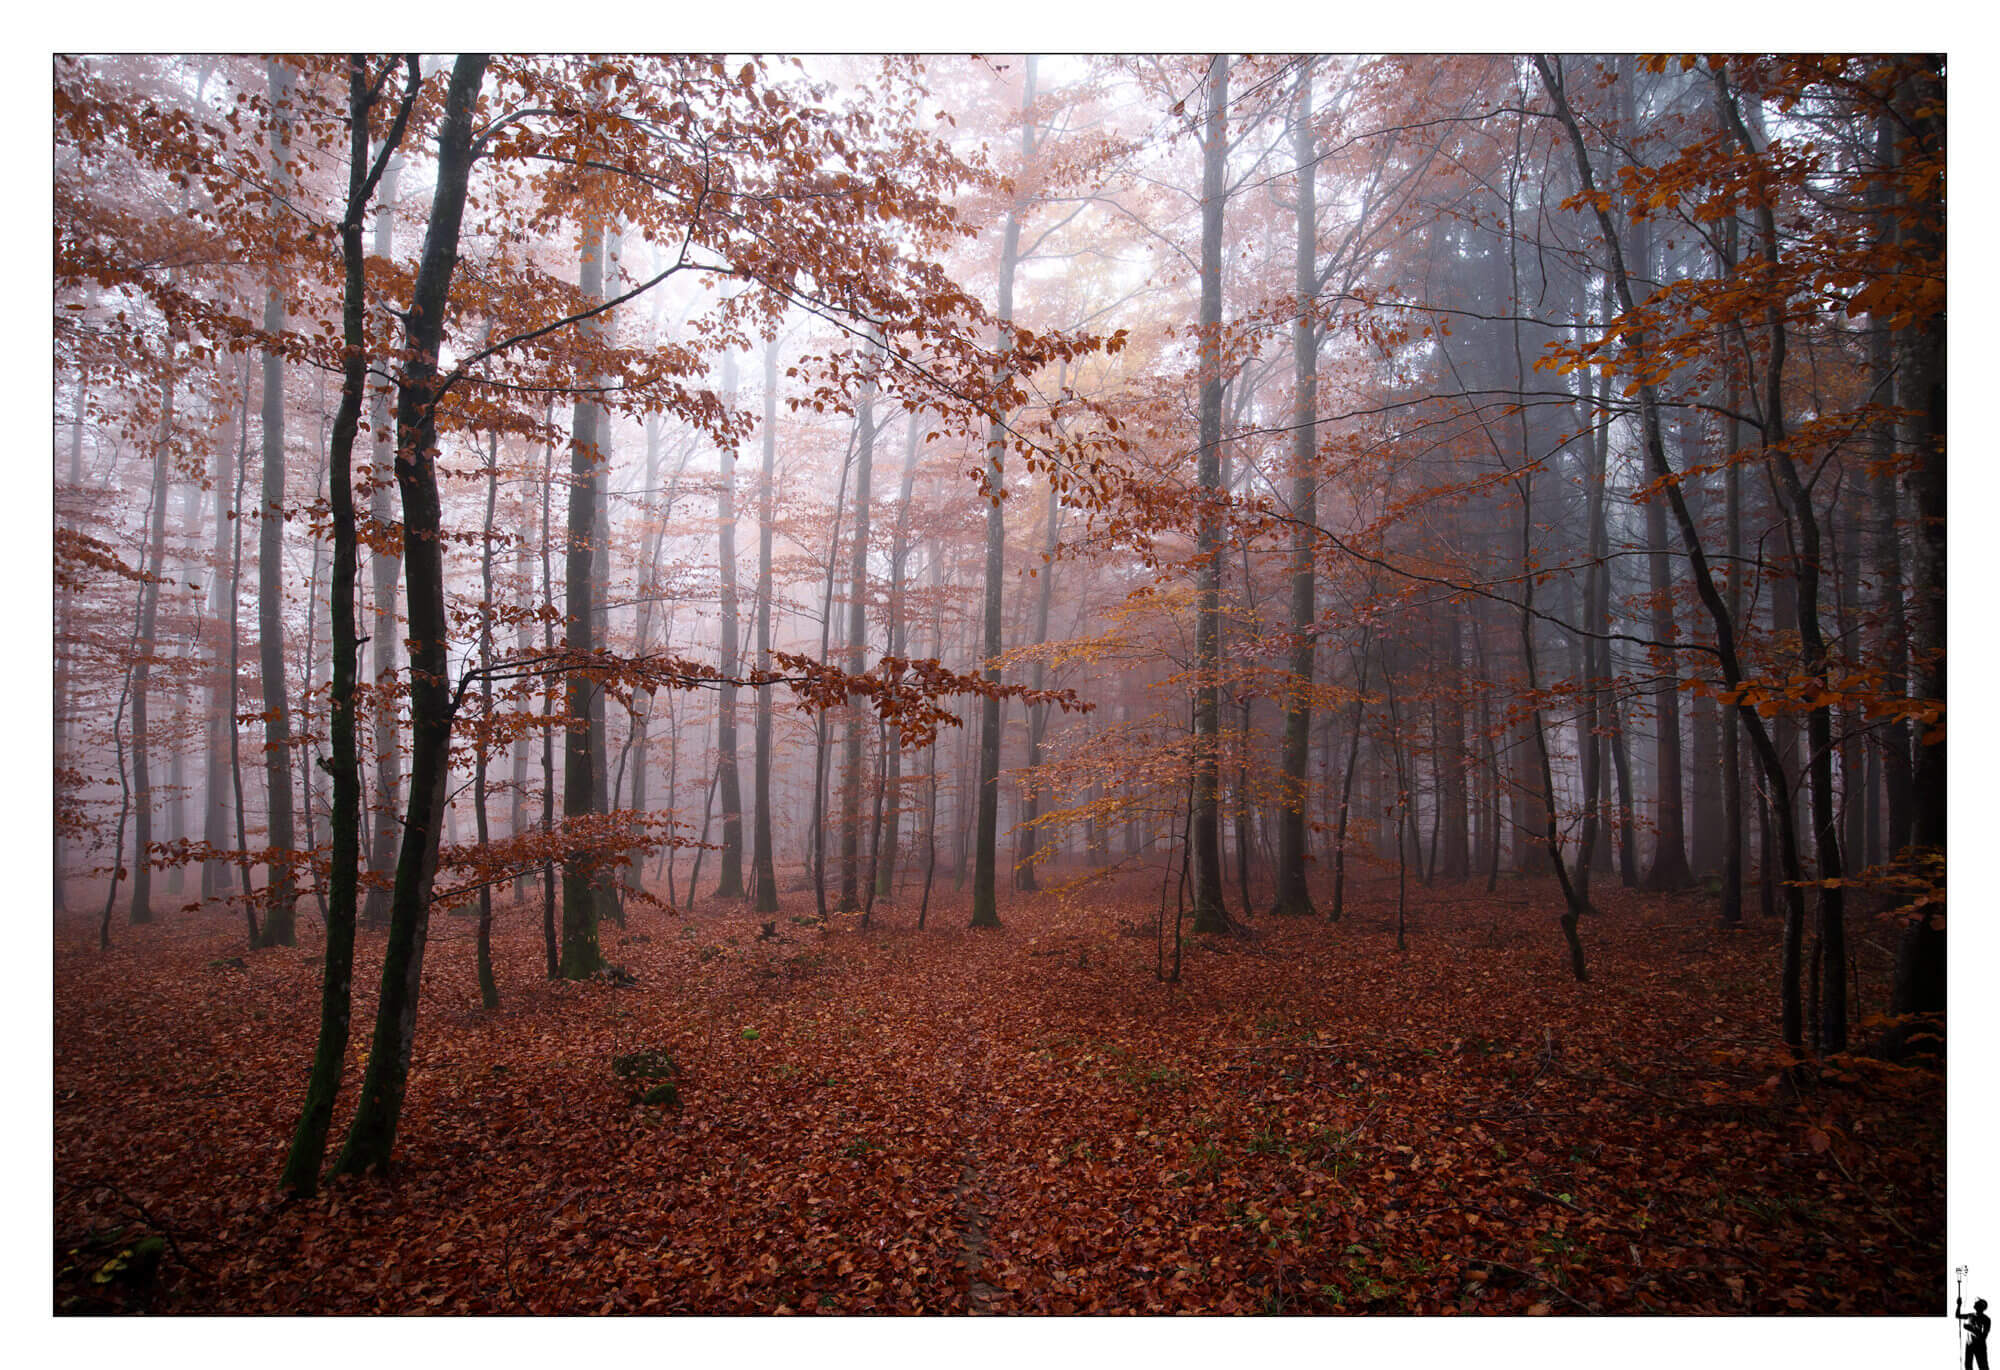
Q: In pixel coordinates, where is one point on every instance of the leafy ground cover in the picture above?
(837, 1120)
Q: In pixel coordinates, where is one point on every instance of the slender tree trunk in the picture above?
(244, 867)
(144, 649)
(764, 874)
(524, 647)
(1038, 714)
(125, 789)
(1293, 896)
(221, 691)
(1347, 784)
(604, 883)
(1734, 823)
(308, 786)
(372, 1136)
(1669, 870)
(385, 564)
(644, 701)
(302, 1164)
(855, 724)
(885, 853)
(821, 722)
(1590, 743)
(489, 992)
(985, 905)
(1205, 815)
(551, 939)
(730, 886)
(583, 757)
(280, 891)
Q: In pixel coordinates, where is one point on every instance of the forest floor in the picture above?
(892, 1120)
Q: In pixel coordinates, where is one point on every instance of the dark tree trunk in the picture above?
(302, 1164)
(372, 1136)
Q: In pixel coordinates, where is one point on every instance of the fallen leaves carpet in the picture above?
(1026, 1120)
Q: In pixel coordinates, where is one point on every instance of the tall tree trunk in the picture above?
(1292, 894)
(583, 756)
(885, 856)
(816, 834)
(65, 649)
(1596, 621)
(1669, 870)
(551, 938)
(489, 992)
(1205, 813)
(279, 891)
(385, 565)
(372, 1136)
(302, 1164)
(730, 885)
(524, 647)
(308, 786)
(640, 726)
(1455, 860)
(764, 874)
(221, 690)
(985, 905)
(604, 873)
(856, 723)
(143, 646)
(1734, 821)
(1038, 714)
(1347, 783)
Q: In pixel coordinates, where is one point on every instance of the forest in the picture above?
(1005, 684)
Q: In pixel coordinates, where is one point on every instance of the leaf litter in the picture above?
(1027, 1121)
